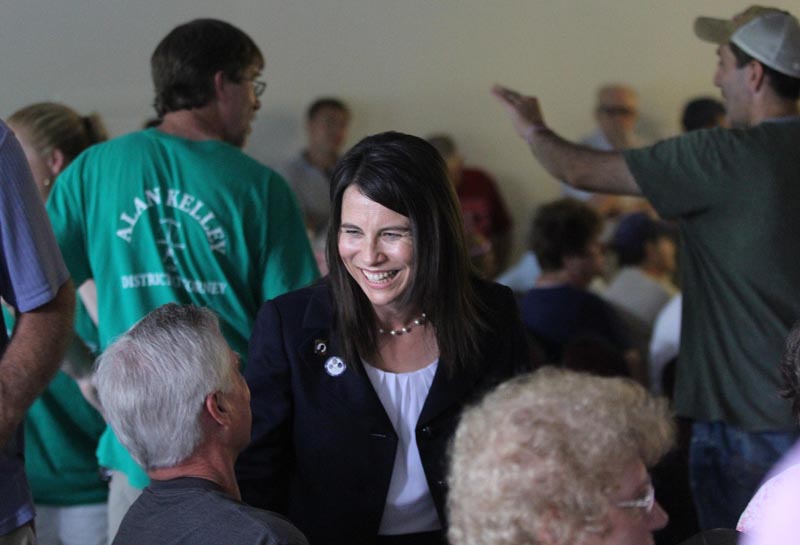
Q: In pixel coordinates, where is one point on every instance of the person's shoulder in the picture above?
(253, 525)
(296, 163)
(312, 301)
(10, 148)
(496, 300)
(590, 298)
(701, 140)
(791, 123)
(246, 175)
(303, 296)
(627, 277)
(136, 138)
(125, 145)
(236, 158)
(274, 527)
(777, 495)
(294, 170)
(776, 131)
(536, 295)
(491, 291)
(255, 164)
(4, 132)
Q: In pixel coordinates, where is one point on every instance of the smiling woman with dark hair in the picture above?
(358, 381)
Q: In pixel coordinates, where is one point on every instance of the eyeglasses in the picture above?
(646, 502)
(621, 111)
(259, 87)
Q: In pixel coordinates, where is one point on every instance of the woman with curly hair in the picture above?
(558, 458)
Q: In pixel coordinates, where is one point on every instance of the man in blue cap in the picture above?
(646, 254)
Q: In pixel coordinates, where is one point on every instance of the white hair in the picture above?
(534, 462)
(153, 381)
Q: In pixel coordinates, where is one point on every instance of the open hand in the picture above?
(525, 112)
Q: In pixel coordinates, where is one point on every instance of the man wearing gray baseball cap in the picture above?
(734, 193)
(768, 37)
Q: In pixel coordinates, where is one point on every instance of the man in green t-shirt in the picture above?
(178, 213)
(734, 194)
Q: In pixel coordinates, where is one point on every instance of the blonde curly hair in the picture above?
(537, 459)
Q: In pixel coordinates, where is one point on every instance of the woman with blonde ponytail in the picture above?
(52, 135)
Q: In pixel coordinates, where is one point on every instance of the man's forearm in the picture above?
(580, 166)
(33, 355)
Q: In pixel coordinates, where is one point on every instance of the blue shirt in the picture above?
(561, 314)
(31, 272)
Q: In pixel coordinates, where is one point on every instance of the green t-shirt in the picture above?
(61, 435)
(735, 195)
(155, 218)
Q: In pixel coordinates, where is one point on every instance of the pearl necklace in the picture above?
(421, 319)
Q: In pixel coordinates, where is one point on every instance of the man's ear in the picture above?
(756, 77)
(216, 408)
(220, 82)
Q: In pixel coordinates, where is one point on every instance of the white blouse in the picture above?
(409, 506)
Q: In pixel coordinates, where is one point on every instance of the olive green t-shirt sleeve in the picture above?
(671, 172)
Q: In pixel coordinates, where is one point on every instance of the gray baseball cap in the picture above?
(769, 35)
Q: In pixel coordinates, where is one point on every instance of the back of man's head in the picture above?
(702, 113)
(185, 61)
(152, 382)
(561, 229)
(633, 233)
(767, 35)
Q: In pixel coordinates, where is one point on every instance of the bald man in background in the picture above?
(616, 112)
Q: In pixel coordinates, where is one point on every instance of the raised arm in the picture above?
(579, 166)
(40, 338)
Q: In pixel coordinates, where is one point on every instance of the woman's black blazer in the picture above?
(323, 449)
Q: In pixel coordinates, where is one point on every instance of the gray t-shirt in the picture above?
(640, 294)
(193, 511)
(312, 188)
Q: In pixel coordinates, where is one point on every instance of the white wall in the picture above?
(417, 66)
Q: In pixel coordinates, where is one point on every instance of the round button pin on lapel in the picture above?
(335, 366)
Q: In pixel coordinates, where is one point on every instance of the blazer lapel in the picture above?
(320, 350)
(447, 390)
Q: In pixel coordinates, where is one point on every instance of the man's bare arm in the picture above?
(579, 166)
(33, 354)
